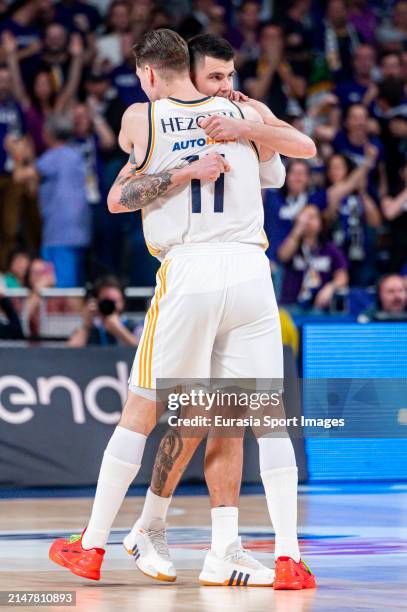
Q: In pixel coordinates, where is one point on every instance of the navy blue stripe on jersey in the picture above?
(239, 577)
(231, 579)
(190, 101)
(246, 579)
(219, 193)
(150, 133)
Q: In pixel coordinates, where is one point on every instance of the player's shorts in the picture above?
(213, 315)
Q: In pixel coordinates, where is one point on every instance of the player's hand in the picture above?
(209, 167)
(220, 127)
(237, 96)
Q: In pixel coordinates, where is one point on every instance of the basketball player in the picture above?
(201, 270)
(212, 71)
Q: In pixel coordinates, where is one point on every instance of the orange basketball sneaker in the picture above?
(70, 554)
(293, 575)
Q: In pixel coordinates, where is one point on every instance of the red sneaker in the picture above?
(70, 554)
(291, 575)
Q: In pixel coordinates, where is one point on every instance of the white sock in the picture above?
(120, 465)
(154, 509)
(275, 453)
(225, 528)
(280, 486)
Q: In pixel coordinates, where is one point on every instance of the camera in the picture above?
(106, 307)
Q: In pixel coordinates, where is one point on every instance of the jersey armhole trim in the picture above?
(251, 143)
(151, 139)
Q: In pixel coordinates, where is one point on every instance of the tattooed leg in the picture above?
(172, 458)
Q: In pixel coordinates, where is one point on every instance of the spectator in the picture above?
(124, 78)
(62, 196)
(109, 46)
(282, 207)
(299, 36)
(17, 269)
(392, 33)
(198, 19)
(354, 91)
(244, 38)
(339, 40)
(353, 143)
(391, 67)
(61, 55)
(314, 267)
(22, 25)
(395, 211)
(391, 300)
(77, 15)
(350, 212)
(390, 111)
(270, 78)
(93, 136)
(11, 127)
(10, 326)
(43, 99)
(363, 20)
(102, 322)
(40, 275)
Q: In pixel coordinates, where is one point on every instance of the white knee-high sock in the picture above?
(120, 465)
(280, 479)
(155, 509)
(225, 528)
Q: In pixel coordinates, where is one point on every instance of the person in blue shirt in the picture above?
(61, 176)
(354, 90)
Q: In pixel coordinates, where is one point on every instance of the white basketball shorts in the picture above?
(213, 315)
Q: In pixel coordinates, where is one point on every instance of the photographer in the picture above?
(102, 323)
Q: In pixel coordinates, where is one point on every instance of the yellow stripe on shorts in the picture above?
(146, 350)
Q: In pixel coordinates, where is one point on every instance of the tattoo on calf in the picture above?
(168, 452)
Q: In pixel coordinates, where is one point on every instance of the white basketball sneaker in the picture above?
(235, 568)
(150, 551)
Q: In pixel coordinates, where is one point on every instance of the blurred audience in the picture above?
(391, 300)
(10, 326)
(102, 319)
(336, 70)
(61, 176)
(314, 267)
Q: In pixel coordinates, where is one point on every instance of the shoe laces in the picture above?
(158, 538)
(242, 556)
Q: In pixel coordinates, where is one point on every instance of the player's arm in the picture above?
(263, 128)
(132, 191)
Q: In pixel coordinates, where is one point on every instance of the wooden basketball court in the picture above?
(355, 542)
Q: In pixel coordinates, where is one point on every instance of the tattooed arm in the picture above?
(132, 191)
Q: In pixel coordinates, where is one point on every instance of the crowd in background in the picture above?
(337, 70)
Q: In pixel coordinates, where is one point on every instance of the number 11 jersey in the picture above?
(229, 210)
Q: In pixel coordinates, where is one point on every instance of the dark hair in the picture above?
(209, 45)
(348, 163)
(31, 89)
(391, 90)
(15, 253)
(106, 281)
(163, 49)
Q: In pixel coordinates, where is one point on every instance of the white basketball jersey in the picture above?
(229, 210)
